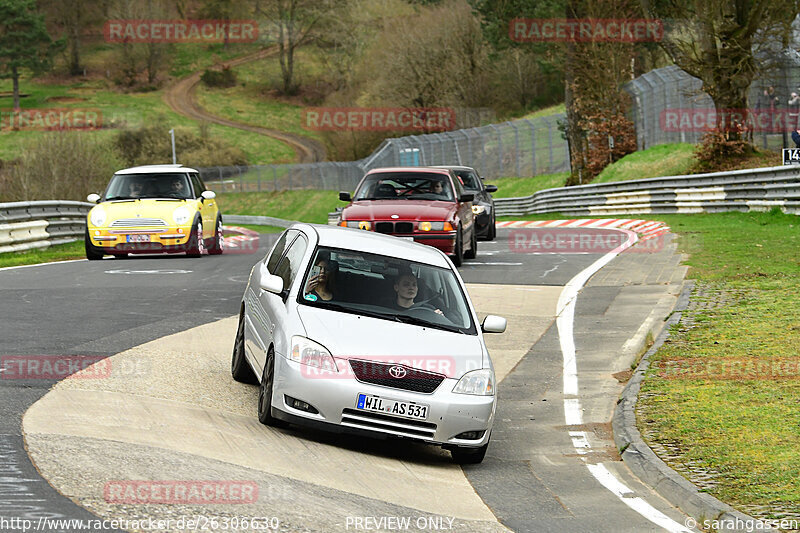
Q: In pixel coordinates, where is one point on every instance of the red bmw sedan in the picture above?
(427, 205)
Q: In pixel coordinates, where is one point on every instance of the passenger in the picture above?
(406, 288)
(135, 189)
(321, 284)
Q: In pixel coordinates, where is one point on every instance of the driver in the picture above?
(406, 288)
(437, 188)
(178, 187)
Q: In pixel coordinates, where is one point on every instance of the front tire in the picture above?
(218, 242)
(196, 245)
(92, 252)
(265, 393)
(240, 369)
(469, 456)
(492, 230)
(458, 253)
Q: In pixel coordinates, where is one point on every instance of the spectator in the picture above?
(794, 111)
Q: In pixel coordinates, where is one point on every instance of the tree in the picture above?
(718, 42)
(73, 17)
(24, 41)
(295, 21)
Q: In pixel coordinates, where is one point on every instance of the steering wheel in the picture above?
(424, 305)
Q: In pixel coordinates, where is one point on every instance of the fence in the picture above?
(28, 225)
(525, 147)
(739, 190)
(670, 88)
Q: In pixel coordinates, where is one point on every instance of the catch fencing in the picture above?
(524, 147)
(29, 225)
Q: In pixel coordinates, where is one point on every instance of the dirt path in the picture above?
(180, 96)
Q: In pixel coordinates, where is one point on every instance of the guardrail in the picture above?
(28, 225)
(739, 190)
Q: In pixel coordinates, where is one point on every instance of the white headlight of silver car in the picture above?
(352, 330)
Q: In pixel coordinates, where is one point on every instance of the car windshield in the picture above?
(132, 186)
(388, 288)
(405, 185)
(469, 179)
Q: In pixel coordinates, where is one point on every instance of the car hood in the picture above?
(349, 336)
(404, 209)
(147, 208)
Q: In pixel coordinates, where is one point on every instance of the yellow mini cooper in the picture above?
(153, 209)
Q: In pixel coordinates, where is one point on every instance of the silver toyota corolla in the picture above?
(355, 331)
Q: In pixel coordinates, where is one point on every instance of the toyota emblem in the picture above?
(397, 372)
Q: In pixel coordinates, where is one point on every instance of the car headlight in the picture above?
(98, 216)
(358, 224)
(478, 382)
(478, 209)
(310, 353)
(435, 226)
(181, 215)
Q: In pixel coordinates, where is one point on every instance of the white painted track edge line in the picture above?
(572, 404)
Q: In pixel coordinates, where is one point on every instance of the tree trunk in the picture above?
(15, 79)
(75, 67)
(575, 134)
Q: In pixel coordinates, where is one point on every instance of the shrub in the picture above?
(59, 166)
(151, 144)
(718, 151)
(219, 78)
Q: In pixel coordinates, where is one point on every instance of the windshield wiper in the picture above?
(406, 319)
(119, 198)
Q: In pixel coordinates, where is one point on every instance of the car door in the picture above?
(276, 306)
(208, 208)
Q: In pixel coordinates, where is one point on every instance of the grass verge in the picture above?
(58, 252)
(721, 401)
(307, 206)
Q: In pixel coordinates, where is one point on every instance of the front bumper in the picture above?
(127, 240)
(445, 241)
(335, 397)
(482, 224)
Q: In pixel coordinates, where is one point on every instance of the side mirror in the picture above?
(271, 283)
(345, 196)
(466, 197)
(491, 188)
(93, 198)
(493, 324)
(208, 195)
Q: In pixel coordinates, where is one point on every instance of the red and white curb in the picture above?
(242, 239)
(646, 229)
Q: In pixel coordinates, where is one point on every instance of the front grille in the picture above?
(138, 223)
(378, 374)
(394, 227)
(404, 227)
(384, 227)
(388, 424)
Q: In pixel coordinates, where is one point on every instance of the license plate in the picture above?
(376, 404)
(138, 238)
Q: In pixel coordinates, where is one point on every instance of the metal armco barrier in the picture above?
(739, 190)
(28, 225)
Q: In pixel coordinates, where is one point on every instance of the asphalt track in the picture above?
(532, 478)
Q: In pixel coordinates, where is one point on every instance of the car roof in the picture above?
(376, 243)
(421, 170)
(454, 167)
(155, 169)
